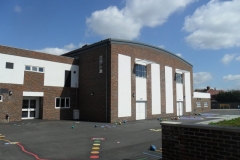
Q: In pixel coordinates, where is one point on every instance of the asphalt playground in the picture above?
(78, 140)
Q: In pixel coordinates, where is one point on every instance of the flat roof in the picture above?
(120, 41)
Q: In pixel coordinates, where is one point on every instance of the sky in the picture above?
(206, 33)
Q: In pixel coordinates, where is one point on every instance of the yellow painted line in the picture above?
(96, 144)
(95, 152)
(95, 148)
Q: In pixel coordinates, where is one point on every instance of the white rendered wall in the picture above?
(188, 98)
(156, 90)
(54, 72)
(201, 95)
(169, 89)
(179, 88)
(141, 89)
(124, 86)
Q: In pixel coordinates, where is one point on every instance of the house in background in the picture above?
(111, 80)
(213, 92)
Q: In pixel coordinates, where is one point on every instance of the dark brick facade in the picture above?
(198, 142)
(34, 82)
(103, 105)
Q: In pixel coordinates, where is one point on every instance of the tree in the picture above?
(228, 96)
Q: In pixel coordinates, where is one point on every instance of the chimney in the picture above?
(208, 87)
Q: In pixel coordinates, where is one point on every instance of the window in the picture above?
(1, 98)
(140, 70)
(62, 102)
(28, 68)
(205, 104)
(34, 68)
(40, 69)
(67, 79)
(179, 78)
(9, 65)
(100, 64)
(198, 104)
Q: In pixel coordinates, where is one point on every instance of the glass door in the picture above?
(29, 109)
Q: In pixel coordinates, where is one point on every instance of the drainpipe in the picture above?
(106, 80)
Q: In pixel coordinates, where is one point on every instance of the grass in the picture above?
(233, 122)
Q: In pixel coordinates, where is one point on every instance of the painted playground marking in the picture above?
(96, 147)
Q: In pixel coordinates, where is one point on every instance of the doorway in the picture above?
(140, 110)
(30, 108)
(179, 108)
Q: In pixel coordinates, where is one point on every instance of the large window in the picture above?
(100, 64)
(140, 70)
(179, 78)
(1, 98)
(62, 102)
(34, 68)
(198, 104)
(67, 79)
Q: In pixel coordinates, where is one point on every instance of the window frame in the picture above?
(11, 65)
(1, 99)
(179, 78)
(60, 101)
(140, 70)
(198, 105)
(37, 69)
(205, 103)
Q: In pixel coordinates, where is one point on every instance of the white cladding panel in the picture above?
(15, 75)
(188, 98)
(33, 94)
(54, 72)
(201, 95)
(124, 86)
(141, 89)
(156, 90)
(179, 88)
(169, 89)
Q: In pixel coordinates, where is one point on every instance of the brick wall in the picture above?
(34, 82)
(198, 142)
(202, 108)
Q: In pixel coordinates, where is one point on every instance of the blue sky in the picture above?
(206, 33)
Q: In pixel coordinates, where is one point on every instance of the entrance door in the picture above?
(179, 108)
(140, 110)
(29, 107)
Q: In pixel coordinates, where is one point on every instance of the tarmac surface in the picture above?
(74, 140)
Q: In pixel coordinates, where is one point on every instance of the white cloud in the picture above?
(127, 23)
(227, 58)
(59, 51)
(201, 77)
(231, 78)
(238, 58)
(179, 54)
(17, 9)
(214, 25)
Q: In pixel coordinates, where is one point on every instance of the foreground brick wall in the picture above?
(198, 142)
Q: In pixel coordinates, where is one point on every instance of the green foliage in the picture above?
(233, 123)
(229, 96)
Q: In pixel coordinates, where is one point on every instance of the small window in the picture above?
(1, 98)
(140, 70)
(34, 68)
(198, 104)
(100, 64)
(40, 69)
(28, 68)
(205, 104)
(62, 102)
(179, 78)
(9, 65)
